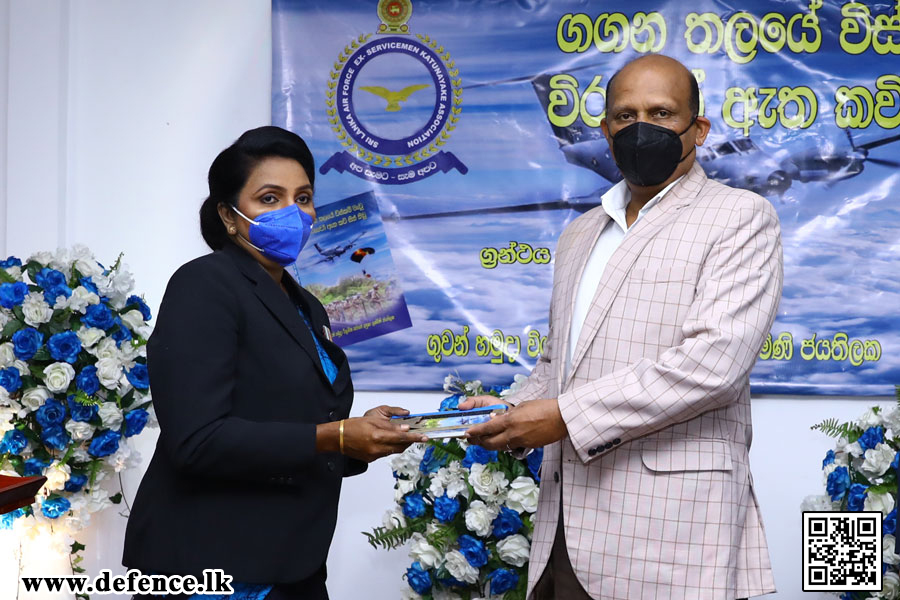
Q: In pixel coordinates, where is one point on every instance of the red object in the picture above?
(16, 492)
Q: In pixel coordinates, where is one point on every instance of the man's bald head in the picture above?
(665, 63)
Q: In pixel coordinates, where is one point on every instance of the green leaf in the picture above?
(394, 538)
(77, 547)
(833, 428)
(116, 499)
(451, 448)
(6, 277)
(42, 354)
(14, 325)
(33, 268)
(17, 464)
(17, 310)
(128, 399)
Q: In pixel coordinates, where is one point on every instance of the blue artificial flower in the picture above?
(445, 508)
(122, 333)
(82, 413)
(140, 304)
(138, 376)
(13, 442)
(418, 578)
(12, 261)
(54, 284)
(451, 582)
(104, 444)
(889, 525)
(829, 459)
(534, 460)
(54, 508)
(871, 438)
(76, 482)
(99, 316)
(856, 496)
(503, 580)
(895, 464)
(10, 379)
(88, 284)
(52, 412)
(134, 422)
(496, 389)
(478, 454)
(450, 402)
(6, 521)
(838, 483)
(55, 437)
(65, 346)
(506, 523)
(429, 463)
(474, 550)
(26, 343)
(413, 505)
(12, 294)
(35, 466)
(87, 380)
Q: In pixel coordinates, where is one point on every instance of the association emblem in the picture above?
(393, 100)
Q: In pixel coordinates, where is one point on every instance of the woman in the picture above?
(253, 398)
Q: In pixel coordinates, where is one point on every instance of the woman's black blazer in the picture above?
(235, 482)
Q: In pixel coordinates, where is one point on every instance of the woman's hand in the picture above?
(374, 434)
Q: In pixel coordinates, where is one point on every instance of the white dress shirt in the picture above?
(614, 203)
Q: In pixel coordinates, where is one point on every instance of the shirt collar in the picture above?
(616, 199)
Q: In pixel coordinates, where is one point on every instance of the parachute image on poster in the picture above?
(347, 265)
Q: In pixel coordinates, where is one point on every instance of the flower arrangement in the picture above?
(73, 386)
(467, 511)
(860, 474)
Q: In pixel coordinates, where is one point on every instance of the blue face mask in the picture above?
(279, 234)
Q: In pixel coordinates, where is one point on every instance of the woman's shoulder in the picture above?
(207, 270)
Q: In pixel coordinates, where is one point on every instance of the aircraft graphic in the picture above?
(334, 252)
(394, 98)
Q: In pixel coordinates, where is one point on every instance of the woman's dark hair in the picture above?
(229, 173)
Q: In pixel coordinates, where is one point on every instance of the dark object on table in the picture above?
(16, 492)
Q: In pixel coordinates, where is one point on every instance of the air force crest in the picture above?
(392, 101)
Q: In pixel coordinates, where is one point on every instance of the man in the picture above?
(661, 301)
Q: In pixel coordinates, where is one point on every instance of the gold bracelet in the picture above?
(341, 436)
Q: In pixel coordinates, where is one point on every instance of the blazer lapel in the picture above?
(276, 301)
(571, 270)
(318, 319)
(626, 254)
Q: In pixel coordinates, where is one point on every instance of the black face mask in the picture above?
(648, 154)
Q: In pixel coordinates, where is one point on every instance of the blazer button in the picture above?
(617, 441)
(592, 451)
(331, 465)
(556, 476)
(332, 416)
(607, 445)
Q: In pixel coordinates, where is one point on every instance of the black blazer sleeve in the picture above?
(193, 365)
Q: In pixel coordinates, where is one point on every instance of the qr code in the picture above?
(842, 551)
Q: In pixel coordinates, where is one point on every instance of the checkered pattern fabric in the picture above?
(658, 499)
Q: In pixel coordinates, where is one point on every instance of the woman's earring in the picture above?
(232, 230)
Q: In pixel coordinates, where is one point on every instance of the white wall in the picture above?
(110, 113)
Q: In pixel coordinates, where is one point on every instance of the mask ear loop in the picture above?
(252, 222)
(694, 147)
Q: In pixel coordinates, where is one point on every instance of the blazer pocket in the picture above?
(664, 274)
(686, 455)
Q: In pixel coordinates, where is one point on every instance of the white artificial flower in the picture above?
(85, 262)
(817, 503)
(35, 310)
(58, 376)
(523, 495)
(109, 372)
(61, 263)
(110, 415)
(489, 484)
(79, 431)
(98, 499)
(106, 348)
(4, 318)
(79, 454)
(827, 470)
(855, 449)
(393, 519)
(449, 382)
(472, 386)
(125, 457)
(152, 421)
(882, 502)
(479, 517)
(407, 593)
(34, 398)
(6, 416)
(841, 445)
(890, 583)
(134, 320)
(57, 476)
(15, 272)
(43, 257)
(887, 553)
(429, 556)
(444, 594)
(4, 397)
(81, 298)
(116, 285)
(7, 354)
(22, 366)
(870, 419)
(402, 488)
(450, 480)
(518, 381)
(89, 336)
(514, 549)
(878, 460)
(459, 568)
(407, 462)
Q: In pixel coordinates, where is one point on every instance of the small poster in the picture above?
(347, 265)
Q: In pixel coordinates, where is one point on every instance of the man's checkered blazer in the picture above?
(658, 500)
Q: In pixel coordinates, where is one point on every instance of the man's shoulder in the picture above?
(584, 222)
(714, 192)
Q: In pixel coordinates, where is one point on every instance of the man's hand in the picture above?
(480, 401)
(531, 424)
